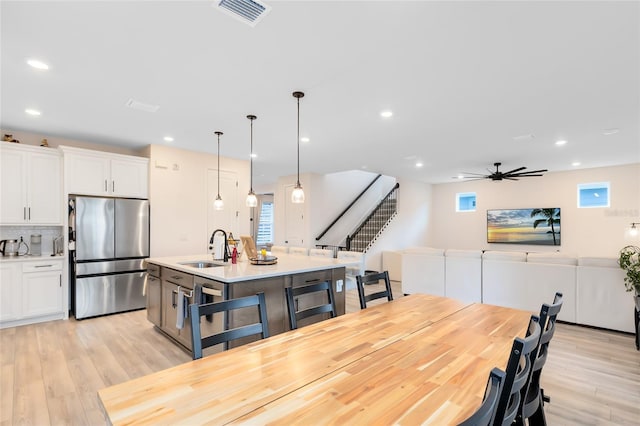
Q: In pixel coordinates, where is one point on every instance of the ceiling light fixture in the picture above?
(633, 231)
(38, 64)
(297, 195)
(612, 131)
(561, 142)
(168, 139)
(575, 163)
(304, 139)
(419, 164)
(386, 114)
(218, 204)
(252, 200)
(32, 111)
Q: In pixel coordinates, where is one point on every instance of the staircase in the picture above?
(371, 228)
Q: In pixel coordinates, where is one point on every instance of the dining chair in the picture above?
(197, 311)
(279, 249)
(354, 270)
(485, 414)
(533, 397)
(299, 251)
(296, 314)
(517, 372)
(321, 252)
(370, 279)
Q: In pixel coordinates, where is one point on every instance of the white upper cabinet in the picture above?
(99, 173)
(30, 185)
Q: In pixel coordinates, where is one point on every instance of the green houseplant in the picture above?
(629, 261)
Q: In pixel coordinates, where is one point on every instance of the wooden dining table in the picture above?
(417, 359)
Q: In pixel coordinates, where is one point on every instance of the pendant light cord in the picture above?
(298, 182)
(251, 156)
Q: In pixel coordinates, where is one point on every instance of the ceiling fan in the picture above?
(510, 175)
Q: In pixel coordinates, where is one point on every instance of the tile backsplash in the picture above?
(48, 234)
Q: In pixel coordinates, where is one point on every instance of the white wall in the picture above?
(585, 232)
(178, 199)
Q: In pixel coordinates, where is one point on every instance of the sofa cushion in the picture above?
(555, 258)
(463, 253)
(509, 256)
(602, 262)
(424, 250)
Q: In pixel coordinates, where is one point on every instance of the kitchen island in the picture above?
(170, 276)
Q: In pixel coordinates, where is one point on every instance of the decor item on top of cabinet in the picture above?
(44, 142)
(252, 200)
(9, 138)
(218, 204)
(498, 175)
(524, 226)
(297, 195)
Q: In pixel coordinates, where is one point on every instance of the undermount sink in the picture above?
(204, 263)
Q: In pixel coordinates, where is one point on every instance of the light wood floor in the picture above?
(51, 372)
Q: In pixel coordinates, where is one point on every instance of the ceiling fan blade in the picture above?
(509, 178)
(533, 171)
(476, 174)
(520, 175)
(514, 170)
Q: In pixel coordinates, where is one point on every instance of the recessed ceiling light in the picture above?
(38, 64)
(304, 139)
(611, 131)
(254, 155)
(386, 114)
(460, 176)
(32, 111)
(575, 163)
(561, 142)
(168, 139)
(419, 164)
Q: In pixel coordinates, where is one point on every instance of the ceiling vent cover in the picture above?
(248, 11)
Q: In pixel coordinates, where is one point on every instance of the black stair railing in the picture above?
(347, 209)
(371, 227)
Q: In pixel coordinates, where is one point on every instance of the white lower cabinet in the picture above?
(31, 291)
(10, 291)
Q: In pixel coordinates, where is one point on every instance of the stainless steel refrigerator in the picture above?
(111, 243)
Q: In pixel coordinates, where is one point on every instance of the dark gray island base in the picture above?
(168, 275)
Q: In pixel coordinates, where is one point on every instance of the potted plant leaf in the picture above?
(629, 261)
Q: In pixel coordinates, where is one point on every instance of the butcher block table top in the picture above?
(416, 359)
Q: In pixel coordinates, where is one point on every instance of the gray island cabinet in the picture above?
(168, 275)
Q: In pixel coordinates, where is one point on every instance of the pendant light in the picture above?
(252, 200)
(297, 196)
(218, 204)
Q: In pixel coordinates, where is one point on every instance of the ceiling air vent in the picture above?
(248, 11)
(141, 106)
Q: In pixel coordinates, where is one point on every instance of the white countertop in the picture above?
(29, 258)
(245, 271)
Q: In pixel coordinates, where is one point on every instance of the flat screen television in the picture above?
(539, 226)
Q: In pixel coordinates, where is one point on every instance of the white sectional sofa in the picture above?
(601, 297)
(526, 281)
(463, 275)
(592, 288)
(420, 269)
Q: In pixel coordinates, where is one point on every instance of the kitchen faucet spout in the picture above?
(225, 248)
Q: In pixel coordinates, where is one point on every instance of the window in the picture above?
(265, 224)
(466, 202)
(593, 195)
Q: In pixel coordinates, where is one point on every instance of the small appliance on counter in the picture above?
(13, 247)
(36, 245)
